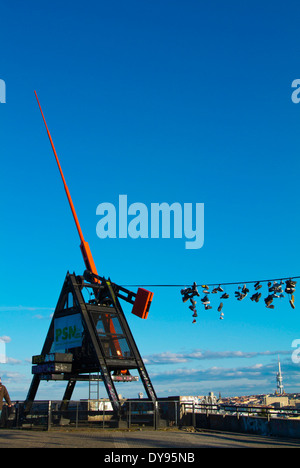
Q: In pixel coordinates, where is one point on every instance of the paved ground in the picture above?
(169, 439)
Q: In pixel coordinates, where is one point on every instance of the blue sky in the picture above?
(171, 101)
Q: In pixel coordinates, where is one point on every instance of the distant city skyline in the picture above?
(175, 102)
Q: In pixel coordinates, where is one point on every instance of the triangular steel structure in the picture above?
(96, 335)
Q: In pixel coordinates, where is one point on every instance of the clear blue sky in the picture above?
(173, 101)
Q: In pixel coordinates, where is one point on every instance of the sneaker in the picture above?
(272, 287)
(225, 296)
(258, 297)
(207, 307)
(269, 299)
(290, 284)
(276, 288)
(242, 296)
(220, 289)
(292, 302)
(205, 300)
(186, 291)
(193, 291)
(194, 321)
(220, 307)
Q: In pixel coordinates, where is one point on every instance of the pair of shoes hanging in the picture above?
(241, 295)
(255, 297)
(290, 286)
(257, 286)
(290, 289)
(225, 296)
(268, 301)
(218, 289)
(292, 301)
(189, 293)
(193, 307)
(275, 288)
(206, 302)
(220, 310)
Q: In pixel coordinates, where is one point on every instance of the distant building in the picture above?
(276, 401)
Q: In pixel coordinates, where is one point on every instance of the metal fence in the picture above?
(134, 413)
(92, 413)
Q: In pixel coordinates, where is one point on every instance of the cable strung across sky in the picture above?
(212, 284)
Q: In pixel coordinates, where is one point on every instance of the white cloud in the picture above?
(21, 308)
(5, 339)
(167, 357)
(187, 373)
(12, 361)
(43, 317)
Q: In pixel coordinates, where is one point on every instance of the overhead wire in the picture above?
(210, 284)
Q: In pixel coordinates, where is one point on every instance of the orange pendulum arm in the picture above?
(144, 298)
(84, 246)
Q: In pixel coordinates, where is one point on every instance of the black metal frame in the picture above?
(100, 352)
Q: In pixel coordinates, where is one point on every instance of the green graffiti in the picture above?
(67, 333)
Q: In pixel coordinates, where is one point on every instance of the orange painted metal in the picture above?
(84, 246)
(144, 297)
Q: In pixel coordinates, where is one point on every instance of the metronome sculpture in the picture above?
(90, 336)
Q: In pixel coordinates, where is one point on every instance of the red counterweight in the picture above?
(142, 303)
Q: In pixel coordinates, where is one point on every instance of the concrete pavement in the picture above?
(145, 439)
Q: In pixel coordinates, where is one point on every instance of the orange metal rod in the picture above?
(84, 246)
(85, 249)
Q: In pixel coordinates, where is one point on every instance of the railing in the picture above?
(134, 413)
(239, 410)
